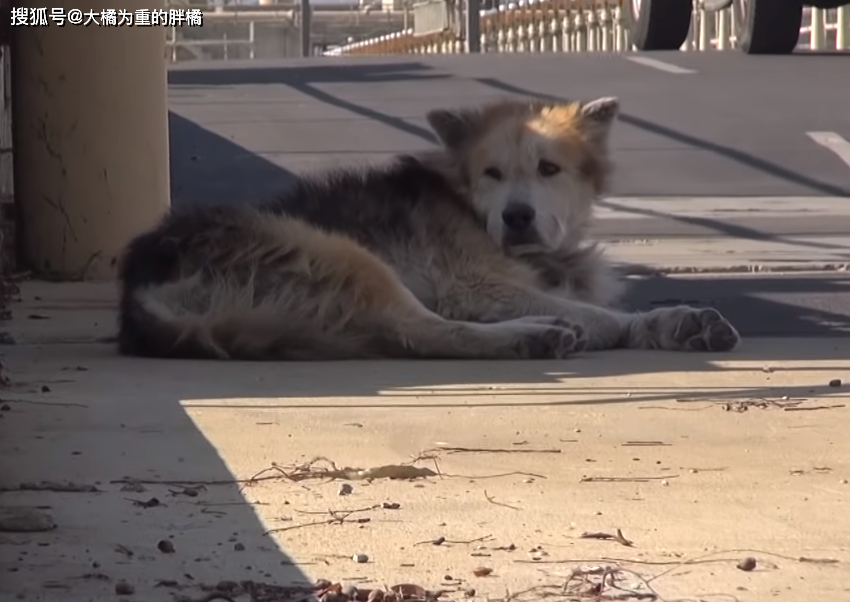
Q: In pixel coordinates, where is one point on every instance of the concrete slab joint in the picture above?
(91, 140)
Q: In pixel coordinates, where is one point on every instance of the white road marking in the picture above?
(834, 142)
(660, 65)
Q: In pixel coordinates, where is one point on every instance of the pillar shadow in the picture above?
(208, 168)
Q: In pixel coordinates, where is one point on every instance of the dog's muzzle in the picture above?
(519, 221)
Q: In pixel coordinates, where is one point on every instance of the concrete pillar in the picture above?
(90, 137)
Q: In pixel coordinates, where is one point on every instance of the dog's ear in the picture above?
(453, 128)
(598, 116)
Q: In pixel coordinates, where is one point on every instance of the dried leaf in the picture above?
(393, 471)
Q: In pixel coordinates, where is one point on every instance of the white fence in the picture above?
(591, 26)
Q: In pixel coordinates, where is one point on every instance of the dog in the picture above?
(474, 250)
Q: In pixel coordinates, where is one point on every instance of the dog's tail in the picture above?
(175, 302)
(155, 310)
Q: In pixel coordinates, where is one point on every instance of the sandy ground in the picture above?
(691, 456)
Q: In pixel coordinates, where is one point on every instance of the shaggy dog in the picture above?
(475, 250)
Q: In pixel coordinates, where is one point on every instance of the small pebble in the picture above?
(747, 564)
(665, 483)
(350, 592)
(390, 505)
(5, 407)
(122, 588)
(843, 481)
(360, 558)
(345, 489)
(469, 593)
(239, 547)
(835, 382)
(165, 546)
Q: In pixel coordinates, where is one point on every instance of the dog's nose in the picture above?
(518, 216)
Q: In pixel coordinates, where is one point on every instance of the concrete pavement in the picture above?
(687, 454)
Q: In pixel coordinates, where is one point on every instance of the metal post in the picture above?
(306, 46)
(842, 34)
(252, 43)
(473, 26)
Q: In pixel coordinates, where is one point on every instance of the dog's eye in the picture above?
(493, 172)
(547, 169)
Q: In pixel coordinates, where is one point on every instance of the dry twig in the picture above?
(492, 501)
(618, 537)
(486, 450)
(625, 479)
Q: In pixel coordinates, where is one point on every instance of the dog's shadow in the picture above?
(610, 377)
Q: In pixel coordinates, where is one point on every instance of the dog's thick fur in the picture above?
(476, 250)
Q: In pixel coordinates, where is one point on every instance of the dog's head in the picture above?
(532, 169)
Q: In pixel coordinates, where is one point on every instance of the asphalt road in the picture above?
(694, 125)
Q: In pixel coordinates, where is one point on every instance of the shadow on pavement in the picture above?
(759, 306)
(157, 478)
(209, 168)
(465, 384)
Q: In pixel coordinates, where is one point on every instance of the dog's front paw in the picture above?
(549, 338)
(686, 328)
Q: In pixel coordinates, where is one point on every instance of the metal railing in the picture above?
(250, 18)
(590, 26)
(272, 29)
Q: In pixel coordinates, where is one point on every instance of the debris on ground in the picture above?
(122, 588)
(747, 564)
(618, 537)
(165, 546)
(323, 468)
(322, 591)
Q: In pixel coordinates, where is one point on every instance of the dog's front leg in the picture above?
(679, 328)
